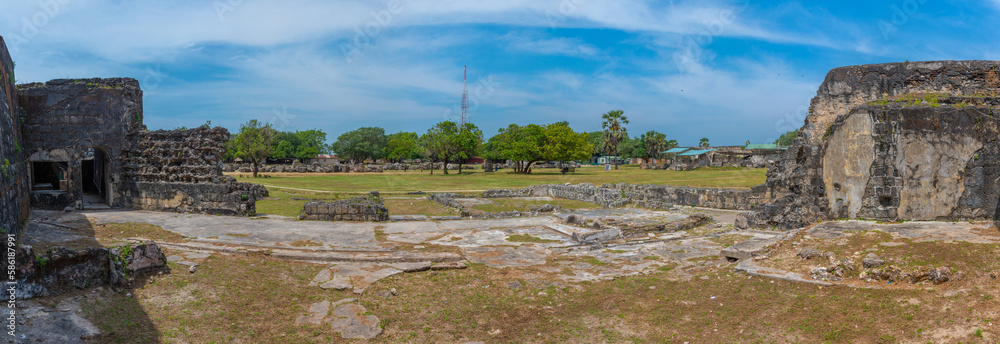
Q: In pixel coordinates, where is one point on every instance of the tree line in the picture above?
(449, 142)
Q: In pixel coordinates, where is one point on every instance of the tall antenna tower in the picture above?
(465, 99)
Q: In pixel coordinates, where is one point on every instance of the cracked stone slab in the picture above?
(350, 321)
(412, 238)
(917, 230)
(345, 316)
(506, 256)
(412, 267)
(753, 269)
(40, 324)
(337, 283)
(361, 276)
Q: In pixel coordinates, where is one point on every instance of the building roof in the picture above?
(326, 156)
(676, 150)
(695, 152)
(763, 146)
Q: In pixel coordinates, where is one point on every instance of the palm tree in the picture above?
(703, 142)
(614, 131)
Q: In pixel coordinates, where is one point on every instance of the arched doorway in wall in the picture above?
(94, 166)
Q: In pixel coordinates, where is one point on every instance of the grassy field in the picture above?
(476, 180)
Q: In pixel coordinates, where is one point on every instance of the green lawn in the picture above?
(476, 180)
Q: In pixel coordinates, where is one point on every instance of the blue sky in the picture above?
(731, 71)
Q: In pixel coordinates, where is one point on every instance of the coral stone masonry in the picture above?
(13, 167)
(897, 141)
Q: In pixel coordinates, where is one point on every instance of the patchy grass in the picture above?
(476, 180)
(240, 299)
(529, 238)
(417, 206)
(111, 232)
(497, 205)
(304, 243)
(730, 239)
(962, 258)
(256, 299)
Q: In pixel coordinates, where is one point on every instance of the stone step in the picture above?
(565, 230)
(373, 257)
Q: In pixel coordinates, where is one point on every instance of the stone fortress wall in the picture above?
(648, 196)
(180, 171)
(85, 136)
(896, 141)
(64, 119)
(14, 179)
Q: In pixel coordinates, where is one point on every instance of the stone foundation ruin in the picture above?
(660, 197)
(369, 208)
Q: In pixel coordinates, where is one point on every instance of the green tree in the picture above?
(596, 140)
(655, 143)
(631, 148)
(468, 142)
(786, 139)
(360, 144)
(300, 144)
(521, 145)
(254, 142)
(230, 153)
(311, 143)
(526, 145)
(563, 144)
(439, 141)
(402, 146)
(703, 142)
(614, 131)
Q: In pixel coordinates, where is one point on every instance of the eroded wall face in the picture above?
(937, 161)
(926, 163)
(13, 168)
(847, 165)
(181, 171)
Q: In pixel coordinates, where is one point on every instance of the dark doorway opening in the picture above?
(48, 176)
(95, 186)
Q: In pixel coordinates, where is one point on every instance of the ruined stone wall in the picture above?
(370, 208)
(181, 171)
(14, 188)
(853, 166)
(64, 118)
(175, 170)
(647, 196)
(847, 87)
(894, 162)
